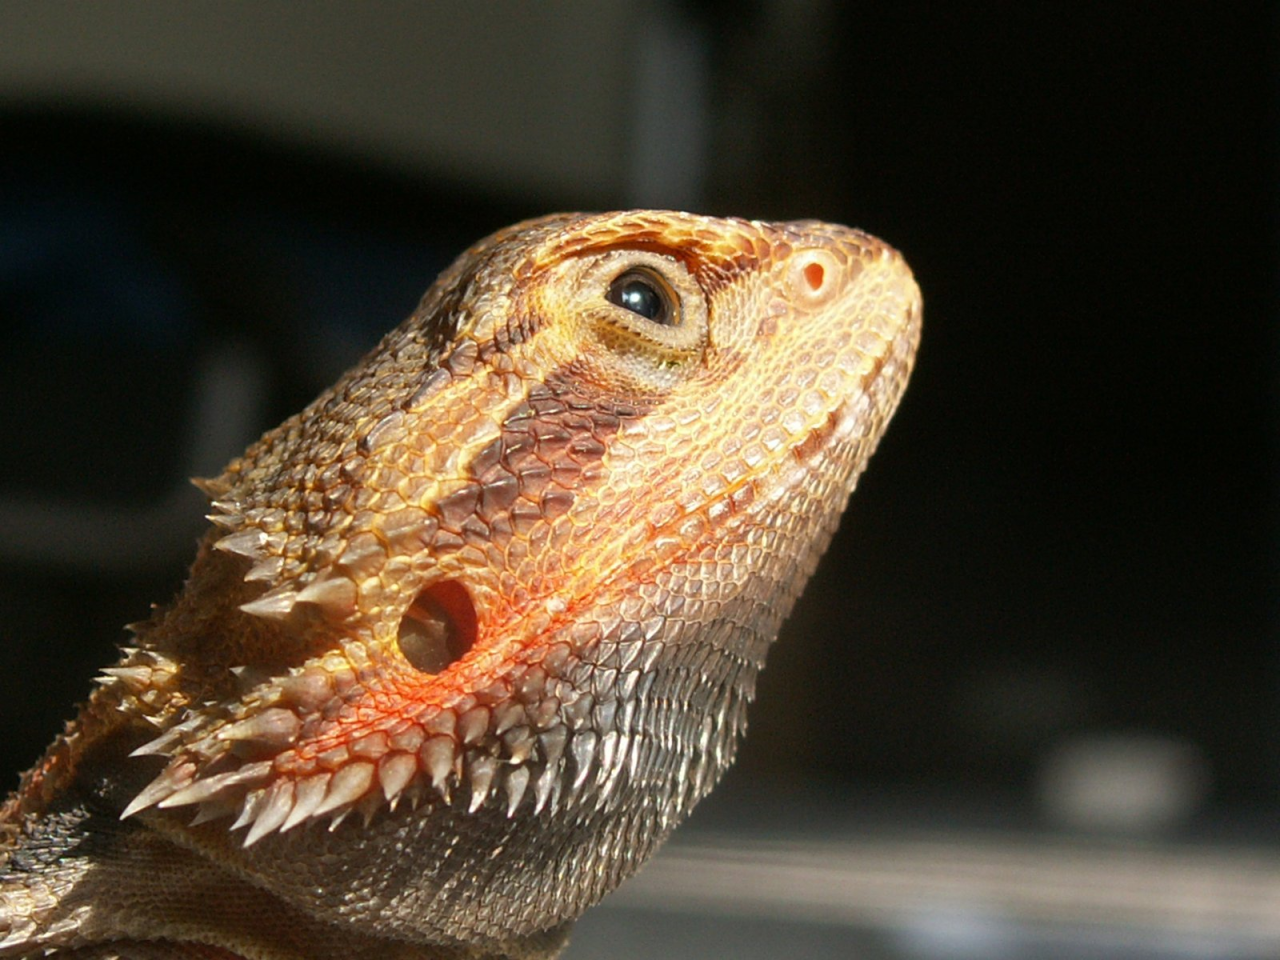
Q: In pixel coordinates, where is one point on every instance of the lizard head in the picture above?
(479, 626)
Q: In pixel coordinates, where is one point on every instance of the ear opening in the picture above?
(439, 628)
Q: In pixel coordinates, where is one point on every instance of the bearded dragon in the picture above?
(469, 635)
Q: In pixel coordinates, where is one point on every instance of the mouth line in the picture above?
(818, 437)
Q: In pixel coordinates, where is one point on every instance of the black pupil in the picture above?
(641, 295)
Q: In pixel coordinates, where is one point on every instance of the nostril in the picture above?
(439, 627)
(814, 275)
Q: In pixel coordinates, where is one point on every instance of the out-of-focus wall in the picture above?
(506, 96)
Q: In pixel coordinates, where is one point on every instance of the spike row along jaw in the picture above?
(573, 729)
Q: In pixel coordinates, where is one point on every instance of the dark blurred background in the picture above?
(1052, 607)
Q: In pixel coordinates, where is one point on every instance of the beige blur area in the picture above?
(1073, 822)
(547, 99)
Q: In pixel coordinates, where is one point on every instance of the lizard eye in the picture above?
(636, 320)
(647, 295)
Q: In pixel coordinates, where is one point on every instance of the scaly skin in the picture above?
(469, 635)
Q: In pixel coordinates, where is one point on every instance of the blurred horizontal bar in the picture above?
(1196, 892)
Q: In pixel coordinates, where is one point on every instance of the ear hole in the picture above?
(439, 627)
(814, 274)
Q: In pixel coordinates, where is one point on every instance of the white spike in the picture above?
(516, 783)
(520, 744)
(608, 751)
(275, 809)
(507, 715)
(348, 785)
(583, 749)
(276, 727)
(267, 569)
(206, 788)
(552, 743)
(211, 487)
(157, 661)
(613, 747)
(160, 745)
(439, 757)
(394, 773)
(369, 808)
(310, 793)
(274, 605)
(337, 594)
(473, 724)
(172, 779)
(246, 543)
(269, 518)
(197, 792)
(135, 678)
(480, 773)
(249, 809)
(543, 787)
(212, 810)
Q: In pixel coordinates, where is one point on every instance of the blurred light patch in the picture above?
(1123, 783)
